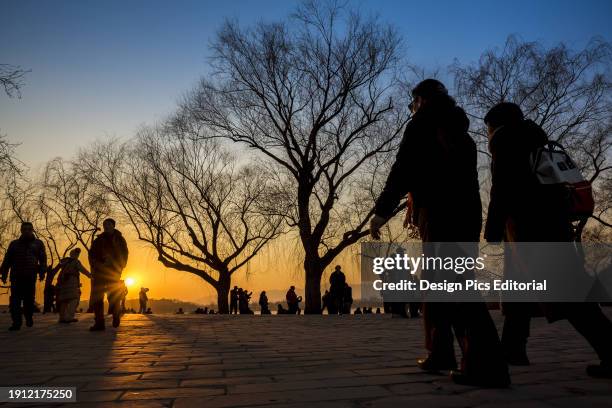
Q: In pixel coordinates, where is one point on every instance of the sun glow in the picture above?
(129, 281)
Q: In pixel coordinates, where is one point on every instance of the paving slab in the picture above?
(280, 361)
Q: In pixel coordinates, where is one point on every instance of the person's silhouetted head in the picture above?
(235, 287)
(74, 254)
(108, 225)
(338, 267)
(502, 114)
(27, 230)
(292, 287)
(425, 92)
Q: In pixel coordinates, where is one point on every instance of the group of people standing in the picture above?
(239, 301)
(436, 169)
(26, 259)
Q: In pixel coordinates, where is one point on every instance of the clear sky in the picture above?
(101, 68)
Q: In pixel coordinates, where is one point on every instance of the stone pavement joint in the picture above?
(293, 361)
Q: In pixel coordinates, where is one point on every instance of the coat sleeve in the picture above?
(84, 270)
(499, 198)
(403, 174)
(92, 254)
(7, 262)
(42, 259)
(124, 252)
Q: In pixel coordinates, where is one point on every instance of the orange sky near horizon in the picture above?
(274, 269)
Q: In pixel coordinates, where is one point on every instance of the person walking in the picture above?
(108, 257)
(142, 300)
(25, 258)
(69, 286)
(437, 159)
(522, 210)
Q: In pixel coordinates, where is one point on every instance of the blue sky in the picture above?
(103, 68)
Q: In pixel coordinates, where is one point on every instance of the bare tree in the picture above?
(70, 208)
(566, 92)
(11, 79)
(188, 199)
(317, 97)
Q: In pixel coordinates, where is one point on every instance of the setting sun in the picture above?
(129, 281)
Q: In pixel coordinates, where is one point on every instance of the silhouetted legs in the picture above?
(516, 332)
(589, 320)
(437, 320)
(99, 289)
(67, 310)
(22, 291)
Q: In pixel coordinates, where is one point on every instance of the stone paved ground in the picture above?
(295, 361)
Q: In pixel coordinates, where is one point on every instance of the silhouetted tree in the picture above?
(566, 92)
(11, 79)
(70, 207)
(317, 97)
(188, 198)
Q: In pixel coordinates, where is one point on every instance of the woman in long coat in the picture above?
(69, 286)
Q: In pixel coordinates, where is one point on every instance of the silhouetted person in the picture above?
(293, 301)
(234, 300)
(108, 257)
(149, 311)
(142, 300)
(49, 291)
(436, 167)
(325, 299)
(347, 299)
(69, 285)
(25, 258)
(263, 303)
(337, 281)
(180, 311)
(378, 310)
(244, 298)
(521, 210)
(280, 309)
(123, 292)
(357, 311)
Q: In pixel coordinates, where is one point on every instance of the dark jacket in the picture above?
(25, 259)
(520, 209)
(437, 163)
(108, 256)
(337, 281)
(291, 297)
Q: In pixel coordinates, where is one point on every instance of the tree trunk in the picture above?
(314, 271)
(223, 288)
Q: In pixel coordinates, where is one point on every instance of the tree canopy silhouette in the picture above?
(318, 97)
(189, 199)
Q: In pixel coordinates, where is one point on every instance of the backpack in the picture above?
(553, 167)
